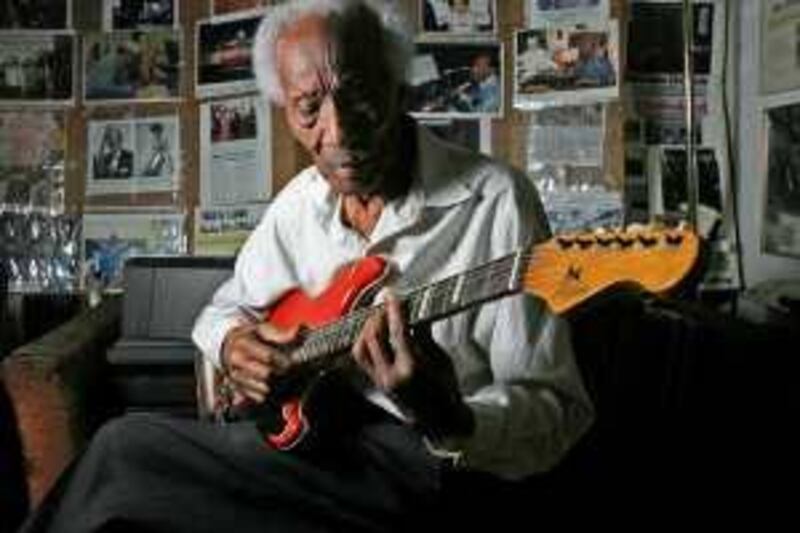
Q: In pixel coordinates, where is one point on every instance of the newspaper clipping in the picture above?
(235, 142)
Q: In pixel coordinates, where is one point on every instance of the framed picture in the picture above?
(781, 214)
(457, 17)
(132, 65)
(223, 47)
(457, 79)
(566, 65)
(37, 67)
(132, 155)
(139, 14)
(35, 14)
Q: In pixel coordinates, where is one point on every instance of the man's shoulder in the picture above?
(305, 188)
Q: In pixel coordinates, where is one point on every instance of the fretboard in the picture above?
(423, 305)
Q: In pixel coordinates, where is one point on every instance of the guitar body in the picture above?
(347, 290)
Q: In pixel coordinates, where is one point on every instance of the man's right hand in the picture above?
(252, 356)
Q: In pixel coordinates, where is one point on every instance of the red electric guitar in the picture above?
(564, 271)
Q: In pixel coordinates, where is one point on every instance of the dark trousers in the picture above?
(155, 473)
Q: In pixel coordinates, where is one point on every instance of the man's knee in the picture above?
(128, 437)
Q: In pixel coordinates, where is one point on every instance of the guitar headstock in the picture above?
(571, 268)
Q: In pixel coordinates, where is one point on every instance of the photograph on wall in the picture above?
(36, 68)
(223, 47)
(781, 217)
(457, 17)
(35, 14)
(235, 151)
(132, 65)
(564, 154)
(780, 45)
(655, 42)
(39, 249)
(109, 239)
(139, 14)
(223, 7)
(457, 79)
(32, 158)
(546, 12)
(133, 156)
(566, 65)
(674, 186)
(222, 230)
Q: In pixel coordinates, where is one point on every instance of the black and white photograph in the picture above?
(674, 186)
(111, 148)
(37, 67)
(35, 14)
(223, 54)
(156, 148)
(139, 14)
(458, 17)
(457, 79)
(132, 155)
(132, 65)
(655, 45)
(569, 64)
(781, 219)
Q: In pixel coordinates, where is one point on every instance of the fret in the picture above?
(512, 280)
(457, 291)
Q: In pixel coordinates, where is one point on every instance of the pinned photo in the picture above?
(457, 79)
(36, 67)
(127, 156)
(566, 65)
(458, 17)
(139, 14)
(35, 14)
(132, 65)
(224, 55)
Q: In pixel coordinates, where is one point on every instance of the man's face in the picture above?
(481, 68)
(340, 100)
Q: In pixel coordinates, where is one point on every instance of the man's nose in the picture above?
(331, 121)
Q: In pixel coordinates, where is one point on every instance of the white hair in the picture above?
(276, 19)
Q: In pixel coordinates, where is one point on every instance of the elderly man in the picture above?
(491, 392)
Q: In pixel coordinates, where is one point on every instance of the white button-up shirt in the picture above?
(513, 358)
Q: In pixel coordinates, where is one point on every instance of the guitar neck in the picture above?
(564, 272)
(424, 305)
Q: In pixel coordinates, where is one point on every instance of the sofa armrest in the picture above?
(56, 387)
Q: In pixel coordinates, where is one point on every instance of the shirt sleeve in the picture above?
(533, 406)
(263, 271)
